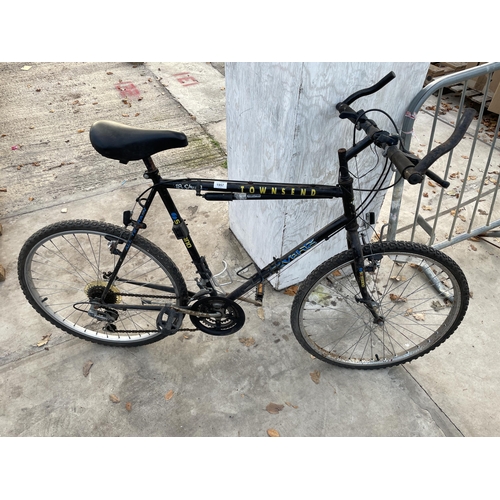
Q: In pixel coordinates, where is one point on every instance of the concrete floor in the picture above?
(218, 386)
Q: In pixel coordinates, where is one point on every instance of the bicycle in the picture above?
(374, 305)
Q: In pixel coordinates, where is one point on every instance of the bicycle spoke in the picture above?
(66, 272)
(413, 312)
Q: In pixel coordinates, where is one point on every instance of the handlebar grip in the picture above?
(404, 165)
(408, 171)
(369, 90)
(342, 107)
(414, 174)
(448, 145)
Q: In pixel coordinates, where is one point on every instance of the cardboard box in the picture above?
(479, 84)
(494, 106)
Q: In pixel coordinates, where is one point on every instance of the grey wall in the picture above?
(282, 126)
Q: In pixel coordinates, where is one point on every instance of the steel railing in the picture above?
(475, 181)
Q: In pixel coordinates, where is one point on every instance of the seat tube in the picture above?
(179, 228)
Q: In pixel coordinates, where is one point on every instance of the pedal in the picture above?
(172, 323)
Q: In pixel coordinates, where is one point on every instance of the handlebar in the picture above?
(370, 90)
(409, 166)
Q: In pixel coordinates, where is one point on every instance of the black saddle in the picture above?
(125, 143)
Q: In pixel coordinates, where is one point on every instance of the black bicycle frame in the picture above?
(222, 190)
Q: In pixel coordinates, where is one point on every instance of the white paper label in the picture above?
(220, 185)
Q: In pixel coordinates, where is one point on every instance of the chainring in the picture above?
(221, 316)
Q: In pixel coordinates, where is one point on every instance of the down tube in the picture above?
(272, 268)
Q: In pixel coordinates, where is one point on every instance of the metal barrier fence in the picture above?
(443, 217)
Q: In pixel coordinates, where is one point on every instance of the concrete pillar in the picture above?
(282, 126)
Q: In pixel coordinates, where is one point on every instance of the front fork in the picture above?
(353, 239)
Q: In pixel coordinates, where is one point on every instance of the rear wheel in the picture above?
(64, 270)
(421, 294)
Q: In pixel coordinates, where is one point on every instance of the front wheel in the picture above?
(420, 293)
(64, 271)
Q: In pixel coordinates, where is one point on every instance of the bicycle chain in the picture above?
(151, 297)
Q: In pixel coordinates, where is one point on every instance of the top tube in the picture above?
(219, 190)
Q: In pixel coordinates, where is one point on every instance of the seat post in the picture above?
(151, 170)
